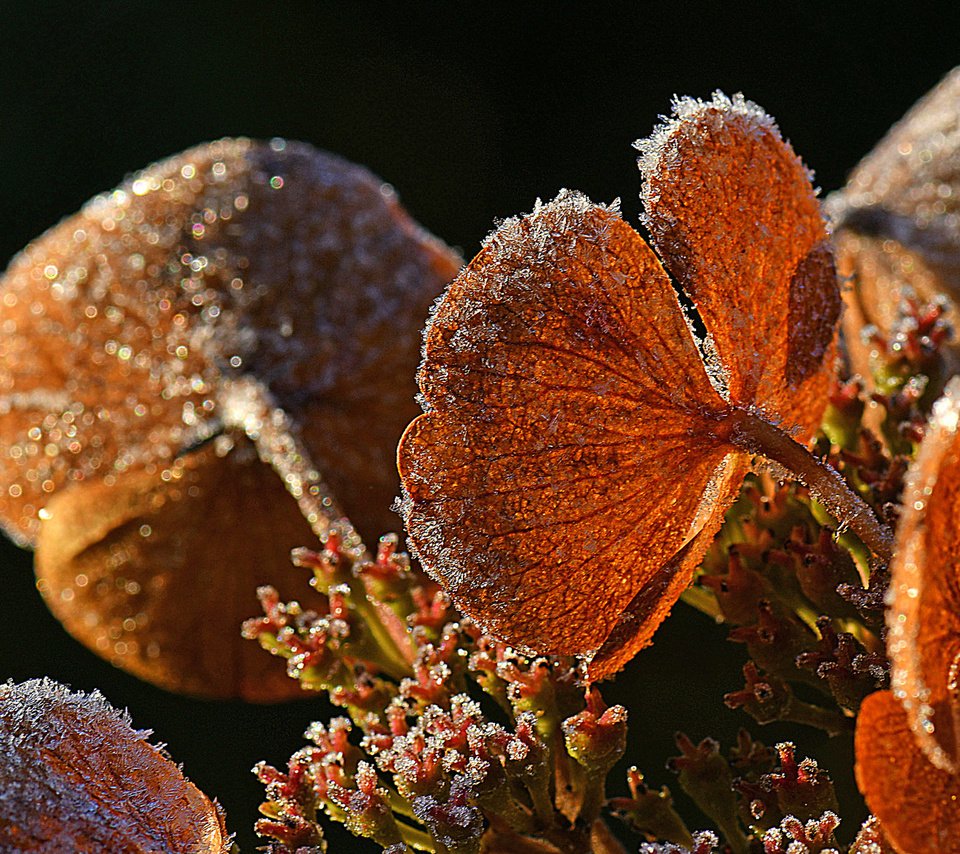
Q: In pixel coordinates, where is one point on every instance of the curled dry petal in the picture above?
(916, 802)
(924, 614)
(569, 471)
(898, 219)
(239, 291)
(77, 777)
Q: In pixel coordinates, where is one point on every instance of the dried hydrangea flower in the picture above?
(579, 444)
(77, 777)
(198, 369)
(898, 220)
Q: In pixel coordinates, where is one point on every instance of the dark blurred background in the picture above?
(472, 111)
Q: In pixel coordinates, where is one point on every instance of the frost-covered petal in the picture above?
(732, 212)
(77, 777)
(562, 460)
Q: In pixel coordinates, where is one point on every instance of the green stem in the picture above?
(416, 838)
(730, 831)
(392, 659)
(704, 601)
(603, 840)
(754, 434)
(594, 796)
(542, 803)
(398, 804)
(831, 722)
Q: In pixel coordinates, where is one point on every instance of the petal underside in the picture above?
(563, 457)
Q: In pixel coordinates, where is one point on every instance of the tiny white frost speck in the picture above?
(946, 411)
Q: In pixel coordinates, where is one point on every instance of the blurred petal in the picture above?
(924, 614)
(233, 265)
(234, 258)
(77, 777)
(918, 804)
(898, 218)
(157, 571)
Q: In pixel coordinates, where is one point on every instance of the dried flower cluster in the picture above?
(460, 742)
(811, 491)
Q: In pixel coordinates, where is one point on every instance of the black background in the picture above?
(472, 111)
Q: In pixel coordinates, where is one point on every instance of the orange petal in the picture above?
(917, 803)
(564, 455)
(157, 571)
(924, 614)
(233, 259)
(650, 607)
(898, 218)
(77, 777)
(732, 212)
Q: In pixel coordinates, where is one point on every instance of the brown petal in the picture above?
(898, 218)
(128, 331)
(157, 571)
(924, 614)
(77, 777)
(732, 213)
(233, 259)
(918, 804)
(565, 452)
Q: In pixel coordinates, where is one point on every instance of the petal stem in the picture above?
(755, 434)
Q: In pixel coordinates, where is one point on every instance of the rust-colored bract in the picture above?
(196, 370)
(575, 458)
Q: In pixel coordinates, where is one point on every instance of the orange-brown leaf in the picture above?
(917, 803)
(77, 777)
(924, 615)
(556, 469)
